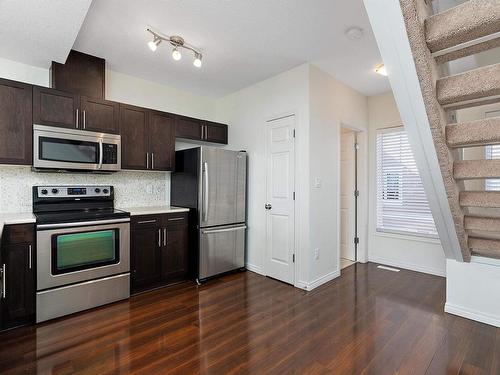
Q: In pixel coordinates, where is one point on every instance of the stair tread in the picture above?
(480, 198)
(485, 247)
(476, 169)
(480, 83)
(465, 22)
(474, 133)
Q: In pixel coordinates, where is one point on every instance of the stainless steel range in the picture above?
(83, 249)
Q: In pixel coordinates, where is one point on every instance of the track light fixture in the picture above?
(177, 43)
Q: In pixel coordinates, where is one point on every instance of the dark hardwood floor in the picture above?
(368, 321)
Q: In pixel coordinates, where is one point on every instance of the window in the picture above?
(492, 152)
(402, 205)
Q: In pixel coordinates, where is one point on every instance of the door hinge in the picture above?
(356, 240)
(356, 146)
(356, 193)
(293, 258)
(293, 195)
(293, 133)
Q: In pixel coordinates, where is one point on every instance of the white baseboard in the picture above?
(319, 281)
(256, 269)
(408, 266)
(472, 314)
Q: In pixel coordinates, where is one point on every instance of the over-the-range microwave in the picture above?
(75, 150)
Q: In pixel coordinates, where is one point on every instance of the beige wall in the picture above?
(405, 251)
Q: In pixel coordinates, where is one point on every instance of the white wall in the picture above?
(321, 104)
(332, 104)
(247, 112)
(25, 73)
(470, 290)
(415, 253)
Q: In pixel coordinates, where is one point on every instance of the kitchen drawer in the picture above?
(145, 221)
(180, 218)
(18, 233)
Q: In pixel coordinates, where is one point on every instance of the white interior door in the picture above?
(280, 207)
(347, 186)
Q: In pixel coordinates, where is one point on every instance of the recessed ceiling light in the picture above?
(354, 33)
(380, 69)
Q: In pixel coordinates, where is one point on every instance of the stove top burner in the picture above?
(79, 215)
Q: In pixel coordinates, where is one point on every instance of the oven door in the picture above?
(69, 253)
(69, 149)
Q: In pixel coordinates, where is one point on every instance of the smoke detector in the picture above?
(354, 33)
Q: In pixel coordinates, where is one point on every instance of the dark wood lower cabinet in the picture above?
(159, 250)
(17, 302)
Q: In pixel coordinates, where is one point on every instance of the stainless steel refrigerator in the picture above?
(212, 182)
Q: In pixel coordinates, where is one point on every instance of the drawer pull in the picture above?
(146, 221)
(176, 219)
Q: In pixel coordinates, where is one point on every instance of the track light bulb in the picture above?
(197, 60)
(153, 44)
(176, 55)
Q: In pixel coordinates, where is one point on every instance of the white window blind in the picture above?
(402, 205)
(492, 152)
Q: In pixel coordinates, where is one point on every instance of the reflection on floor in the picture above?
(345, 263)
(364, 322)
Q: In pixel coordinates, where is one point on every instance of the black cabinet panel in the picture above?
(17, 301)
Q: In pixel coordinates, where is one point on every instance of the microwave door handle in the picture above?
(100, 153)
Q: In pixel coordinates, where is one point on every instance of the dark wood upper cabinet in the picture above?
(215, 132)
(17, 302)
(100, 115)
(15, 122)
(200, 130)
(81, 74)
(188, 128)
(55, 108)
(134, 137)
(162, 140)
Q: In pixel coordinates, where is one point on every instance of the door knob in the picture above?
(268, 206)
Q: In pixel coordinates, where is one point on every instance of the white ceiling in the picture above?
(35, 32)
(243, 41)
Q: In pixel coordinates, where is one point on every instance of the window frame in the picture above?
(432, 237)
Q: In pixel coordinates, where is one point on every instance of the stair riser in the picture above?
(480, 199)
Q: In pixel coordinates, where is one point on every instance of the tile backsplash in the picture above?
(132, 189)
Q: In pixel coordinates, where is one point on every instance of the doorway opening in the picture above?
(349, 194)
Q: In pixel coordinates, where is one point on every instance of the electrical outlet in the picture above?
(316, 254)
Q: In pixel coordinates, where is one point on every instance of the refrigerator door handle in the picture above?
(232, 229)
(205, 192)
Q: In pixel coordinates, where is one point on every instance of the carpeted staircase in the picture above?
(436, 39)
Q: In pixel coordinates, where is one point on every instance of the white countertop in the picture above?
(135, 211)
(16, 218)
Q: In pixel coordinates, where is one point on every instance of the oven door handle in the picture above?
(81, 223)
(100, 153)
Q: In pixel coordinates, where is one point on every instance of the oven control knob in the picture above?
(55, 191)
(97, 190)
(105, 191)
(44, 191)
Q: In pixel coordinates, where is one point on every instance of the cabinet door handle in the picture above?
(4, 280)
(147, 160)
(83, 119)
(152, 160)
(164, 236)
(159, 237)
(76, 122)
(30, 261)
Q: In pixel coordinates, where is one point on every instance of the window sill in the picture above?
(407, 237)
